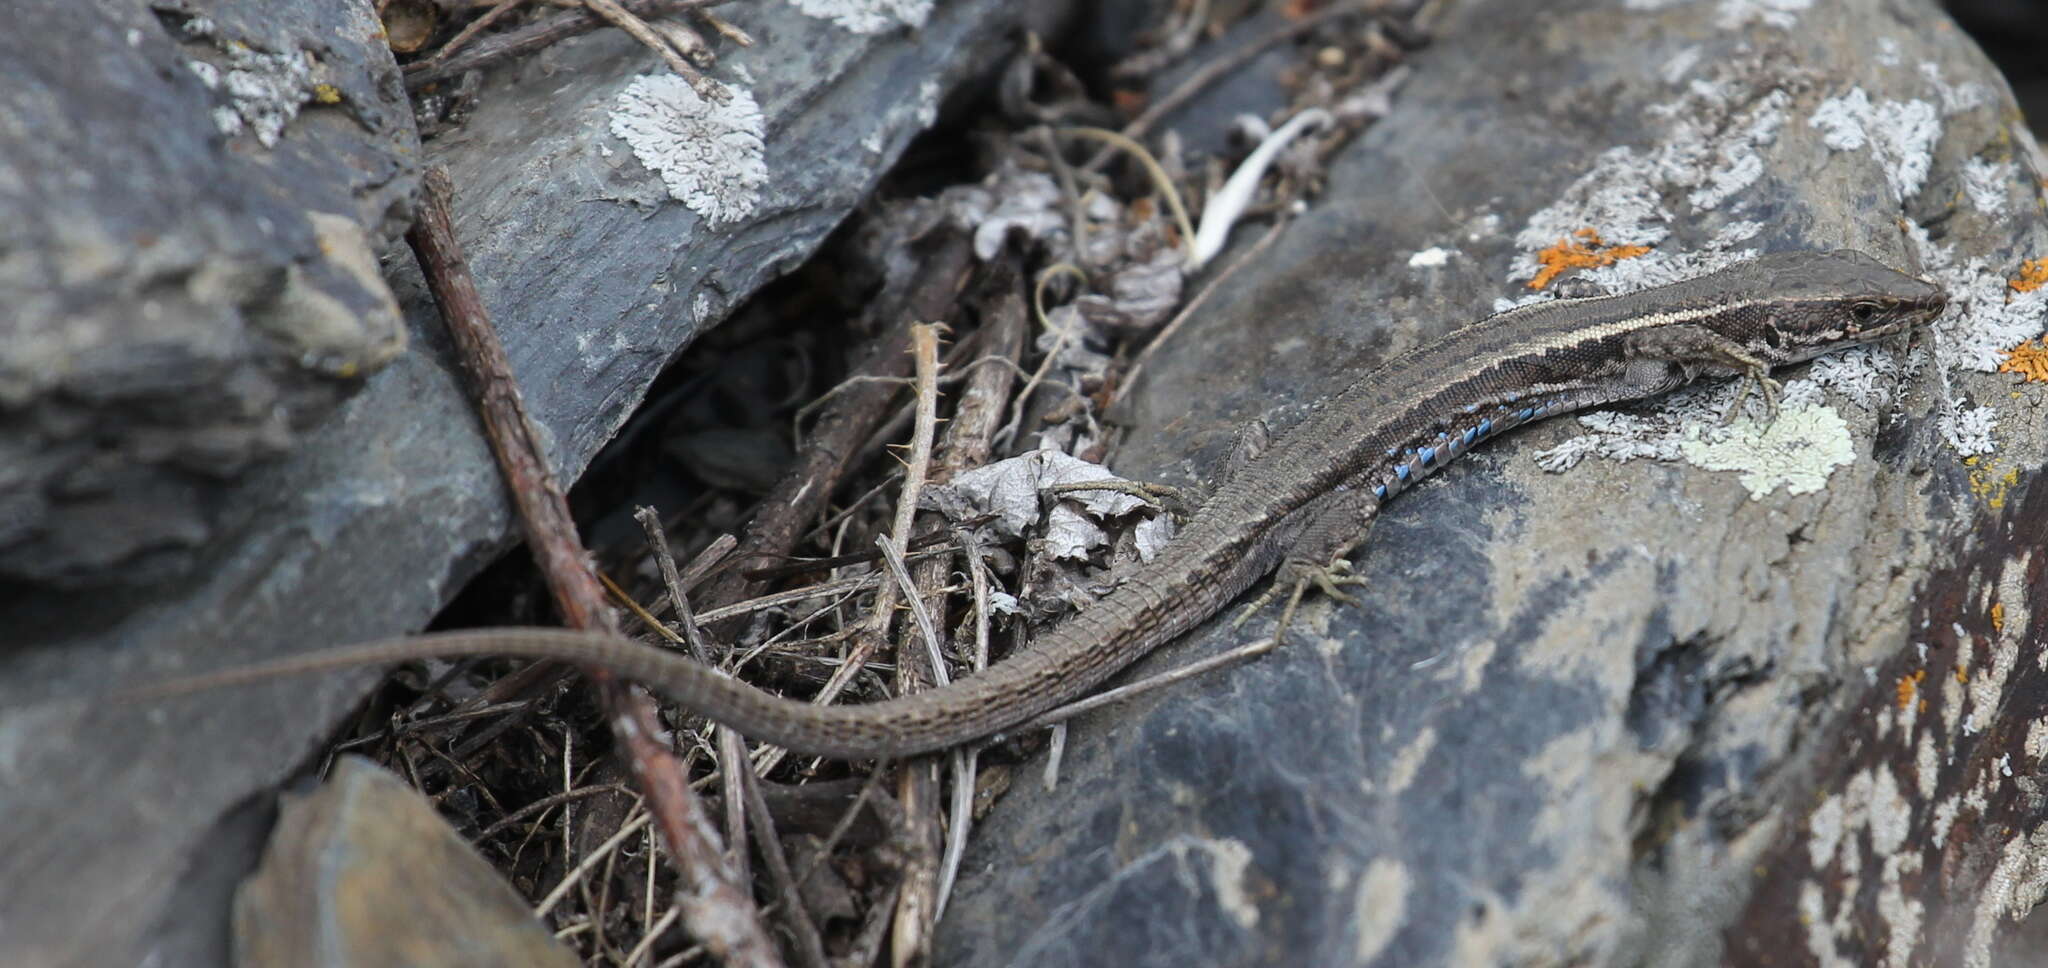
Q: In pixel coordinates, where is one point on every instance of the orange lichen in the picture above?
(1584, 250)
(2029, 360)
(2033, 275)
(1908, 686)
(1998, 617)
(1962, 674)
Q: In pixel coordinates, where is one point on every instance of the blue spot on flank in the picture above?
(1391, 452)
(1379, 491)
(1401, 471)
(1526, 414)
(1471, 408)
(1428, 454)
(1513, 396)
(1443, 435)
(1471, 434)
(1486, 426)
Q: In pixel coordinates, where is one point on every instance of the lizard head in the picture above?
(1826, 301)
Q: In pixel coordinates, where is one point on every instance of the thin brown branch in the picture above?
(809, 947)
(657, 540)
(528, 39)
(618, 16)
(715, 909)
(969, 443)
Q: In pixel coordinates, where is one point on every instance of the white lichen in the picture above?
(2017, 884)
(868, 16)
(264, 90)
(1797, 451)
(1955, 98)
(1984, 183)
(1864, 374)
(1901, 912)
(1736, 14)
(1379, 907)
(1900, 135)
(1653, 432)
(1434, 257)
(1824, 831)
(1711, 151)
(1782, 14)
(1968, 430)
(711, 155)
(1985, 318)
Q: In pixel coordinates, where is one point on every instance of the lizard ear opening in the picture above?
(1773, 338)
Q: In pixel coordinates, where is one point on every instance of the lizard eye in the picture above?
(1863, 312)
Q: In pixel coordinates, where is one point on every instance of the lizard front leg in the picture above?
(1323, 534)
(1693, 347)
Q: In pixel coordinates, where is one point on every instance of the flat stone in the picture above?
(1630, 712)
(362, 873)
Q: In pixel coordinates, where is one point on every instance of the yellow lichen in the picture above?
(1585, 250)
(2029, 360)
(2033, 275)
(1988, 484)
(1909, 686)
(1998, 617)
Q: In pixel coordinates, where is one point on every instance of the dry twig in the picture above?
(715, 909)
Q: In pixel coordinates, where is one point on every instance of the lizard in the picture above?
(1297, 509)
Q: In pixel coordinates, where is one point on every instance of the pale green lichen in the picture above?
(1797, 451)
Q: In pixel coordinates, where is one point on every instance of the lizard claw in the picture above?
(1758, 378)
(1294, 578)
(1337, 573)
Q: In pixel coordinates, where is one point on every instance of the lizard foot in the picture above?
(1757, 377)
(1293, 579)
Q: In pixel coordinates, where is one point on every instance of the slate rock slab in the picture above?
(1746, 700)
(128, 827)
(191, 203)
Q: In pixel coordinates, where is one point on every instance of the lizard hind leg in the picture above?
(1293, 579)
(1328, 529)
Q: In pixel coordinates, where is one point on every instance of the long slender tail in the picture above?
(1007, 695)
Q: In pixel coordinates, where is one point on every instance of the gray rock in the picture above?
(125, 826)
(188, 232)
(1630, 713)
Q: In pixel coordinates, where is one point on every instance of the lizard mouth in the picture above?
(1904, 314)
